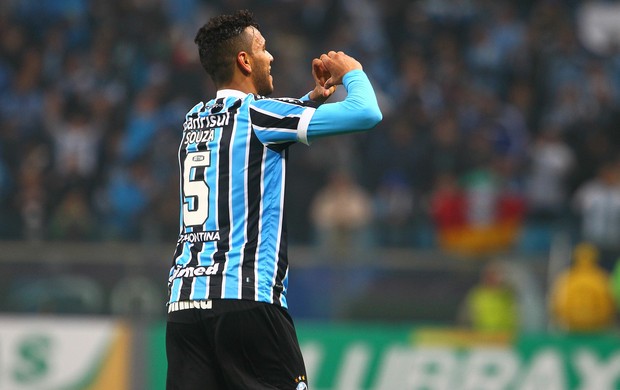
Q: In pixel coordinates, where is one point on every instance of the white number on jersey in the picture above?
(195, 191)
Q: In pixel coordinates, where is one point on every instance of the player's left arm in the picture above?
(359, 111)
(277, 121)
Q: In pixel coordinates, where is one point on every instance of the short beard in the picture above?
(265, 90)
(263, 86)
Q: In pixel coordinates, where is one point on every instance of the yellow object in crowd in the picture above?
(581, 297)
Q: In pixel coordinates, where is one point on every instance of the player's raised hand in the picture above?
(320, 75)
(338, 64)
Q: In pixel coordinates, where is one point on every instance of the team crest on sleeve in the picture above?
(289, 100)
(301, 383)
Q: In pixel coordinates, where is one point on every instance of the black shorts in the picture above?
(235, 345)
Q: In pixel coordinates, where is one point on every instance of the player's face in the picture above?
(261, 67)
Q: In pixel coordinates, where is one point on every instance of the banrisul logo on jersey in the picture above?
(208, 121)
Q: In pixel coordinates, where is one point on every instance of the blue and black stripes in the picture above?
(232, 160)
(243, 181)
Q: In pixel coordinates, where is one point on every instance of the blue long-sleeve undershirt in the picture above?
(359, 111)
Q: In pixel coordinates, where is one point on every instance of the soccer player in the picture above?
(228, 326)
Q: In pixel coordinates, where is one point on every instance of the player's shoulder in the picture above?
(264, 100)
(202, 107)
(195, 110)
(281, 105)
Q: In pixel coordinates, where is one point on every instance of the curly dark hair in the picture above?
(219, 41)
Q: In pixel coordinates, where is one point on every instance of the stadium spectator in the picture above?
(492, 304)
(550, 163)
(76, 144)
(72, 218)
(445, 152)
(597, 203)
(447, 207)
(124, 199)
(341, 213)
(394, 211)
(142, 126)
(21, 105)
(477, 214)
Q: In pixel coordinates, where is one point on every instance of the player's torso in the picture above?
(231, 208)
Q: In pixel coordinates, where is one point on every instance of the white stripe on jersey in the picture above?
(304, 122)
(280, 222)
(279, 129)
(260, 224)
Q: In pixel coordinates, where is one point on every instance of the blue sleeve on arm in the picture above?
(359, 111)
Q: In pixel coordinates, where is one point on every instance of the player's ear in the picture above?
(243, 62)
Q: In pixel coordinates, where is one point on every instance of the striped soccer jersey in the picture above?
(232, 159)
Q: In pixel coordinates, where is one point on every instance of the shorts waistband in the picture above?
(184, 305)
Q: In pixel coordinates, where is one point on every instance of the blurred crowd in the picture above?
(583, 297)
(501, 121)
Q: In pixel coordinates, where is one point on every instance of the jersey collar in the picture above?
(223, 93)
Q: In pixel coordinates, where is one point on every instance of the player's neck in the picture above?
(240, 83)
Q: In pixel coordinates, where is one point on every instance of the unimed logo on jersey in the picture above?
(190, 272)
